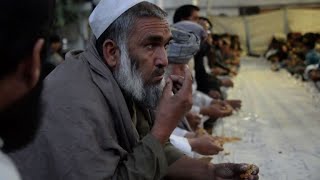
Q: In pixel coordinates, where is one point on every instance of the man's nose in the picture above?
(161, 58)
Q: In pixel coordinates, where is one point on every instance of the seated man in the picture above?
(206, 83)
(195, 143)
(312, 55)
(180, 51)
(312, 72)
(109, 112)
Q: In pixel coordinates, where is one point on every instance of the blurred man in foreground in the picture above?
(23, 27)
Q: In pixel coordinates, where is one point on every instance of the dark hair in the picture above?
(309, 40)
(23, 22)
(54, 38)
(183, 12)
(208, 21)
(310, 44)
(290, 35)
(123, 25)
(215, 37)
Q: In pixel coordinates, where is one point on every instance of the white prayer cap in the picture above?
(106, 12)
(308, 69)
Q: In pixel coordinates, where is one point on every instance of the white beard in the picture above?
(131, 82)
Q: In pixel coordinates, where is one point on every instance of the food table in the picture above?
(279, 123)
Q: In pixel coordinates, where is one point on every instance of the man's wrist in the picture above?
(192, 143)
(161, 136)
(190, 135)
(211, 172)
(204, 111)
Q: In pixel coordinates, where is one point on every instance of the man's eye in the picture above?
(150, 46)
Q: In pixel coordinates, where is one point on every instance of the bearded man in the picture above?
(108, 111)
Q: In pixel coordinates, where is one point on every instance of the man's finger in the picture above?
(177, 86)
(175, 90)
(187, 83)
(177, 79)
(255, 170)
(225, 170)
(167, 90)
(242, 167)
(219, 148)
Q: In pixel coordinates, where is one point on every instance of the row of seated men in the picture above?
(298, 53)
(214, 65)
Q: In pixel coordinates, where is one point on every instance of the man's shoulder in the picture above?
(71, 80)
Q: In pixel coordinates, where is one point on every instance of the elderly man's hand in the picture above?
(225, 105)
(231, 171)
(172, 106)
(205, 145)
(226, 83)
(216, 110)
(218, 71)
(194, 120)
(214, 94)
(236, 104)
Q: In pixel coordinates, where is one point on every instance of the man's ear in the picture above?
(23, 79)
(29, 70)
(111, 53)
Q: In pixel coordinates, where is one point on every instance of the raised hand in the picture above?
(172, 106)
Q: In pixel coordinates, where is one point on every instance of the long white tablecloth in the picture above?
(279, 123)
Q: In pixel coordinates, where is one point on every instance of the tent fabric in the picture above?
(258, 30)
(304, 20)
(262, 27)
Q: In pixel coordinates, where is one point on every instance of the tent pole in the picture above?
(208, 7)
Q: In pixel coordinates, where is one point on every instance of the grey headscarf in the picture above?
(193, 27)
(183, 46)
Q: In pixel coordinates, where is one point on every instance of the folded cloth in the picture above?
(183, 46)
(193, 27)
